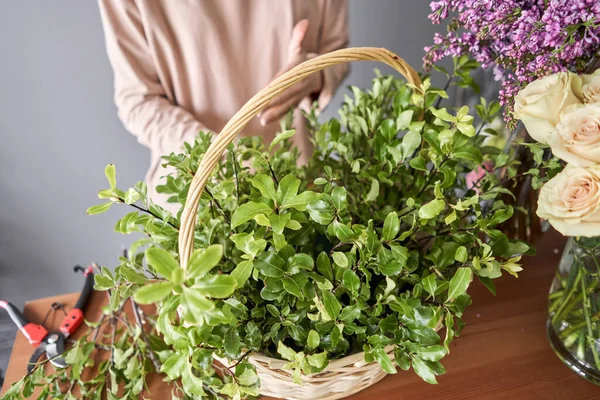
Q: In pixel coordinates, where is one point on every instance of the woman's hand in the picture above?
(292, 96)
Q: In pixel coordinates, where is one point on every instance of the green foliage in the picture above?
(373, 244)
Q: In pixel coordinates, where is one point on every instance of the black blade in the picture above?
(37, 353)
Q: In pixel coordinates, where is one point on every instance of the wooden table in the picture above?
(502, 353)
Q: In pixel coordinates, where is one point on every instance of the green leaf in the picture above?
(450, 218)
(216, 286)
(387, 129)
(292, 287)
(99, 209)
(321, 212)
(500, 216)
(350, 313)
(270, 264)
(488, 283)
(293, 225)
(470, 154)
(279, 241)
(203, 261)
(153, 293)
(313, 340)
(391, 226)
(131, 196)
(299, 202)
(402, 359)
(173, 366)
(449, 323)
(278, 222)
(373, 192)
(248, 377)
(430, 284)
(317, 360)
(443, 115)
(324, 265)
(246, 243)
(351, 281)
(280, 137)
(195, 302)
(242, 272)
(391, 269)
(423, 370)
(340, 259)
(262, 220)
(111, 172)
(432, 353)
(338, 195)
(288, 188)
(384, 360)
(418, 163)
(248, 211)
(342, 231)
(161, 261)
(191, 382)
(432, 209)
(461, 254)
(410, 142)
(466, 129)
(459, 282)
(301, 261)
(332, 305)
(285, 352)
(231, 342)
(404, 119)
(264, 183)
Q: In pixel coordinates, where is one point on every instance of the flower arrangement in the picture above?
(371, 248)
(522, 39)
(562, 112)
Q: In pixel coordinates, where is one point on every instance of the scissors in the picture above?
(53, 343)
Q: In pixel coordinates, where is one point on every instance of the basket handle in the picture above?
(255, 105)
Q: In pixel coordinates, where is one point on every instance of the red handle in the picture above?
(71, 322)
(33, 332)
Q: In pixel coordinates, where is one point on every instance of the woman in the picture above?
(182, 66)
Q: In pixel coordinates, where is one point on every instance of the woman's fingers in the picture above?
(285, 102)
(298, 34)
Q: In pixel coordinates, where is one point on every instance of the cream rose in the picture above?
(540, 103)
(571, 201)
(591, 87)
(577, 136)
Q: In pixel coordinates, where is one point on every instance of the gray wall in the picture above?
(58, 130)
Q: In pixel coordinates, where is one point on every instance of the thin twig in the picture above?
(272, 173)
(151, 213)
(340, 244)
(235, 173)
(439, 100)
(240, 360)
(138, 320)
(218, 205)
(434, 171)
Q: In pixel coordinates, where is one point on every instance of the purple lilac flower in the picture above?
(521, 39)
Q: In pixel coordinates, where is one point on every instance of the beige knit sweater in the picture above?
(182, 66)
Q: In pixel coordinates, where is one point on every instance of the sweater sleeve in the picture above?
(142, 104)
(334, 36)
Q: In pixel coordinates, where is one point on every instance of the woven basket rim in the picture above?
(355, 359)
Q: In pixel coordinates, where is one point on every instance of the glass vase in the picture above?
(574, 308)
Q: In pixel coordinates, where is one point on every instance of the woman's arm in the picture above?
(140, 98)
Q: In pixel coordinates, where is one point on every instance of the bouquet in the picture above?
(521, 39)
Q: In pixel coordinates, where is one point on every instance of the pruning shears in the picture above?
(53, 343)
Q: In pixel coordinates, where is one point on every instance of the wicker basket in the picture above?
(342, 377)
